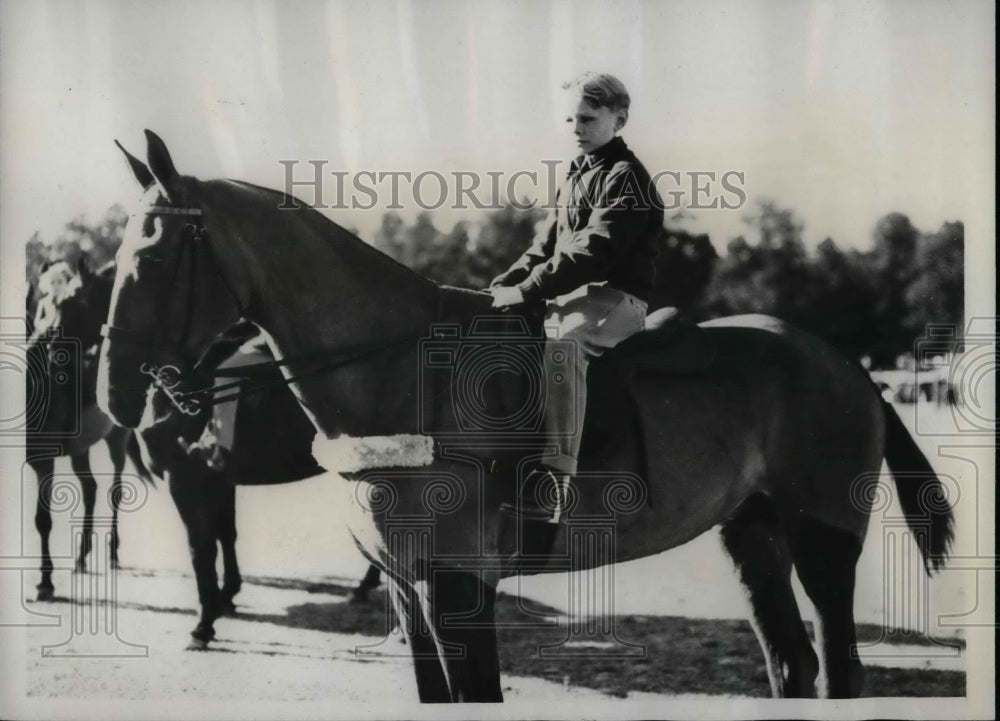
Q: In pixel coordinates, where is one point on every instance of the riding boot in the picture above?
(531, 523)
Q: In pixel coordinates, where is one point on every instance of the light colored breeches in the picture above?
(592, 319)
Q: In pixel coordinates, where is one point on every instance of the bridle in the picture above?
(170, 377)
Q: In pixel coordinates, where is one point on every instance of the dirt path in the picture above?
(297, 641)
(301, 641)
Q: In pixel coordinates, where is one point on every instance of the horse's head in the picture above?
(170, 297)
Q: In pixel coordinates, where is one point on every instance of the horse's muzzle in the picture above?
(121, 387)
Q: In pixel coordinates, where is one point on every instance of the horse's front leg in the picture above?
(373, 577)
(461, 608)
(44, 469)
(81, 467)
(432, 685)
(192, 503)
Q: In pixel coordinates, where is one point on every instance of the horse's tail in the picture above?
(921, 495)
(135, 455)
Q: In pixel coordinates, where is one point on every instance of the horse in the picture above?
(780, 439)
(64, 420)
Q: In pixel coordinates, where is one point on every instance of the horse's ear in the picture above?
(139, 169)
(164, 172)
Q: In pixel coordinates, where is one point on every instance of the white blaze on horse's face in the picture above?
(140, 236)
(142, 293)
(169, 300)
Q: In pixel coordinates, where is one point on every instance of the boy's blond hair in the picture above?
(600, 90)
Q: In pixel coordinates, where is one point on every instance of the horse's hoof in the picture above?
(115, 565)
(80, 567)
(197, 644)
(202, 635)
(45, 594)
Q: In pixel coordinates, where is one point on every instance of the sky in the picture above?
(841, 111)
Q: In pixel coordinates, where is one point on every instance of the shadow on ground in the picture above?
(658, 654)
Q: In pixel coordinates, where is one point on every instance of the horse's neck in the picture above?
(315, 287)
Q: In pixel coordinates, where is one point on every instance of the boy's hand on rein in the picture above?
(504, 296)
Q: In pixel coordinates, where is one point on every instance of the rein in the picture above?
(351, 354)
(169, 377)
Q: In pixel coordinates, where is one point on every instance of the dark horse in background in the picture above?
(274, 439)
(780, 439)
(272, 445)
(62, 419)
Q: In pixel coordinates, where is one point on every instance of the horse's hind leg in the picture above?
(44, 469)
(116, 442)
(758, 546)
(825, 559)
(81, 467)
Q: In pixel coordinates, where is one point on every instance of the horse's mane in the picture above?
(324, 226)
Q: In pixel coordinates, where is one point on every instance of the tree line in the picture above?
(872, 303)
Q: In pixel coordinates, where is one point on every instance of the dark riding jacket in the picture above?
(605, 227)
